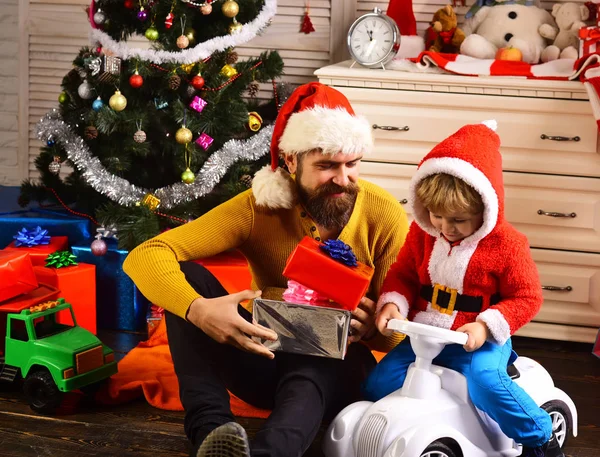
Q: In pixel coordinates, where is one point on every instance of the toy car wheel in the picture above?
(439, 449)
(41, 392)
(561, 419)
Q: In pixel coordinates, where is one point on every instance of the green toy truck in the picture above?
(51, 356)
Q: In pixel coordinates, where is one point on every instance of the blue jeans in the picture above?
(490, 387)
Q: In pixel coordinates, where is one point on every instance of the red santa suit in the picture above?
(489, 276)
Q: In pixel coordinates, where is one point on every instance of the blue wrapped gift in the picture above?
(119, 303)
(57, 222)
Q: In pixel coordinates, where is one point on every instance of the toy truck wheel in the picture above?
(41, 392)
(439, 449)
(561, 420)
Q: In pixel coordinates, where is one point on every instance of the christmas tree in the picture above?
(159, 135)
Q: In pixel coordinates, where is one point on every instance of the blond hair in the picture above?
(444, 194)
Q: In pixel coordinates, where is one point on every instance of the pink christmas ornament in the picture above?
(205, 141)
(198, 104)
(99, 247)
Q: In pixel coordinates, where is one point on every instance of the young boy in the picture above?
(464, 267)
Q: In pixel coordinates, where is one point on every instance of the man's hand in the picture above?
(219, 319)
(478, 334)
(362, 324)
(388, 312)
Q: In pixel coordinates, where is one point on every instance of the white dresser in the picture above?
(551, 162)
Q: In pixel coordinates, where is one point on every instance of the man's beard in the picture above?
(333, 213)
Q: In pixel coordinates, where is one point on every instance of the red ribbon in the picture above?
(589, 33)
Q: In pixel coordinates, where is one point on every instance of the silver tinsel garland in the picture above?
(123, 192)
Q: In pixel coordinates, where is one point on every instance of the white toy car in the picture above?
(432, 414)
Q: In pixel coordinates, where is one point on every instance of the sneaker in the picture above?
(548, 449)
(228, 440)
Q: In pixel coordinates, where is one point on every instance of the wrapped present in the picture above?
(588, 40)
(58, 223)
(16, 275)
(596, 350)
(330, 269)
(121, 305)
(39, 253)
(231, 269)
(304, 329)
(153, 318)
(77, 285)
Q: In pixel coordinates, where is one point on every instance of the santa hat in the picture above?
(314, 117)
(401, 11)
(473, 155)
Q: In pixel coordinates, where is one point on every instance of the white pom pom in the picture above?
(491, 124)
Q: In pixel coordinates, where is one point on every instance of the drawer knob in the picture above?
(404, 201)
(541, 212)
(543, 136)
(558, 288)
(390, 127)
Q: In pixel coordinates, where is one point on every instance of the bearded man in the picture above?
(210, 335)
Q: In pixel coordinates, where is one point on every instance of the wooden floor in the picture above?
(136, 429)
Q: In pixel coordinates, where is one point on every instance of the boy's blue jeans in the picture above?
(490, 387)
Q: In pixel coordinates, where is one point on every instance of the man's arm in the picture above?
(154, 265)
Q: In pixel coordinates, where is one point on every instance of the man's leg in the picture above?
(309, 388)
(206, 369)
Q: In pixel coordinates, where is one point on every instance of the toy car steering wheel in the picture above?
(413, 329)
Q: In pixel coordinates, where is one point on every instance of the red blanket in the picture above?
(586, 70)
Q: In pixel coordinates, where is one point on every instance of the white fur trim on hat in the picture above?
(333, 130)
(469, 174)
(273, 189)
(397, 299)
(496, 324)
(411, 46)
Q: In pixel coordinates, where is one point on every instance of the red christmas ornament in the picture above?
(99, 50)
(129, 4)
(197, 82)
(307, 25)
(169, 20)
(136, 80)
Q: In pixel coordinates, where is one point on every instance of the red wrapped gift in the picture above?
(588, 40)
(77, 285)
(16, 274)
(39, 253)
(315, 269)
(231, 269)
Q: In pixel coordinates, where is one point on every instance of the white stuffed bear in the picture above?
(570, 18)
(527, 28)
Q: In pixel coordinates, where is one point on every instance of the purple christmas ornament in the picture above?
(142, 15)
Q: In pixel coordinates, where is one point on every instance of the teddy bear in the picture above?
(527, 28)
(444, 34)
(569, 18)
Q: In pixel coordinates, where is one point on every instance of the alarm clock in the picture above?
(373, 39)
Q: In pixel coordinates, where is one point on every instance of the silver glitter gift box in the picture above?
(304, 329)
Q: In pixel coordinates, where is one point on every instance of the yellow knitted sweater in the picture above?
(376, 231)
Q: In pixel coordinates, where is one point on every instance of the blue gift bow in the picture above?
(29, 238)
(340, 251)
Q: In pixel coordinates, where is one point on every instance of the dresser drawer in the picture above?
(530, 201)
(426, 118)
(572, 287)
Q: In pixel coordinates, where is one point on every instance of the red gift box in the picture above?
(231, 269)
(39, 253)
(77, 285)
(16, 274)
(588, 40)
(314, 269)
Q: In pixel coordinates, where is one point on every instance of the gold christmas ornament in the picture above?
(183, 42)
(117, 102)
(188, 176)
(187, 67)
(183, 135)
(228, 71)
(235, 27)
(151, 201)
(254, 121)
(230, 8)
(190, 33)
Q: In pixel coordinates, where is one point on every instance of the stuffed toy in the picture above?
(444, 35)
(527, 28)
(569, 18)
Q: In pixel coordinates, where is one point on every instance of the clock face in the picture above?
(372, 40)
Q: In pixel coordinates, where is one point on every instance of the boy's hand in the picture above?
(478, 334)
(388, 312)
